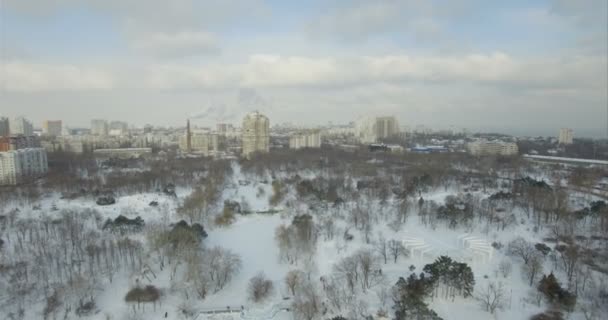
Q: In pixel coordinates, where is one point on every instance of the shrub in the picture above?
(548, 315)
(555, 294)
(260, 287)
(226, 218)
(86, 308)
(106, 201)
(124, 224)
(147, 294)
(542, 248)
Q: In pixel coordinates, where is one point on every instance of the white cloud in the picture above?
(499, 70)
(147, 15)
(359, 20)
(177, 44)
(37, 77)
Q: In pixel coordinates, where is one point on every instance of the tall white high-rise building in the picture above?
(566, 136)
(5, 130)
(52, 128)
(386, 127)
(255, 133)
(99, 127)
(370, 129)
(21, 126)
(23, 164)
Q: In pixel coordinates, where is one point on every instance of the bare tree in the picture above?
(492, 297)
(396, 249)
(222, 265)
(383, 293)
(336, 293)
(521, 248)
(292, 279)
(282, 236)
(260, 287)
(348, 270)
(533, 268)
(570, 257)
(402, 210)
(505, 267)
(358, 310)
(382, 247)
(307, 302)
(368, 266)
(328, 228)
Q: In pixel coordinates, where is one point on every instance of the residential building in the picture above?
(371, 129)
(204, 143)
(65, 144)
(148, 128)
(21, 165)
(566, 136)
(307, 139)
(386, 127)
(486, 148)
(365, 130)
(429, 149)
(223, 128)
(21, 126)
(122, 153)
(5, 129)
(99, 127)
(118, 128)
(5, 144)
(255, 134)
(18, 142)
(381, 147)
(52, 128)
(227, 130)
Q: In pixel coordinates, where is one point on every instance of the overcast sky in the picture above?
(527, 66)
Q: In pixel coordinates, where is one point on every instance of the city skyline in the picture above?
(595, 133)
(513, 67)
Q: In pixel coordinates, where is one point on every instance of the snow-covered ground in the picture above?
(252, 237)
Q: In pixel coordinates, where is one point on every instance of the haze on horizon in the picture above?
(517, 66)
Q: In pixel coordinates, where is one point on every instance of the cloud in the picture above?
(38, 77)
(358, 21)
(178, 44)
(245, 100)
(160, 15)
(584, 12)
(589, 18)
(497, 70)
(361, 20)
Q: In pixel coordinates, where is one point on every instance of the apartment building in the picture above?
(203, 143)
(255, 134)
(5, 130)
(99, 127)
(487, 148)
(52, 128)
(371, 129)
(17, 166)
(21, 126)
(306, 139)
(566, 136)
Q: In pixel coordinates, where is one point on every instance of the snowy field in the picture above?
(252, 237)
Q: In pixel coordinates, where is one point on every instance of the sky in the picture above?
(512, 66)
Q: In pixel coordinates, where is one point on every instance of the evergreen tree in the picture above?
(409, 298)
(453, 276)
